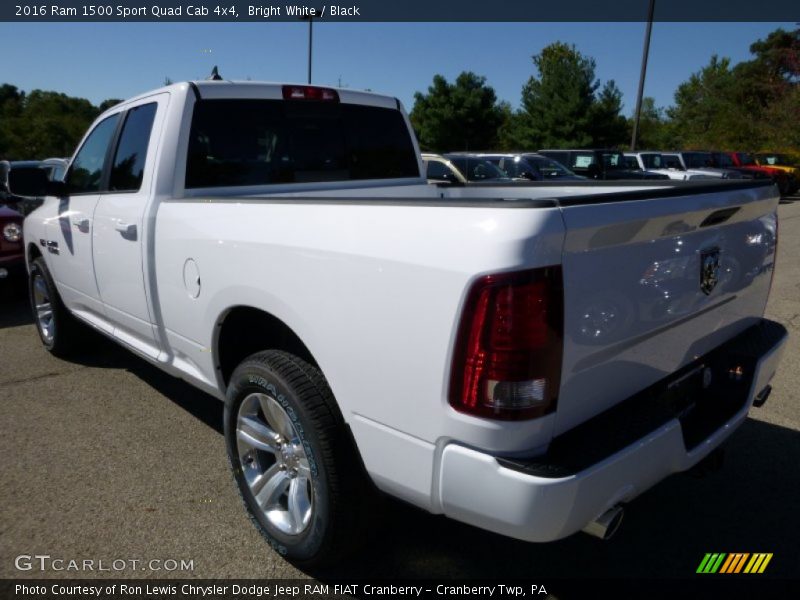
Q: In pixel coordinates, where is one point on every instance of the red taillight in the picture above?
(308, 92)
(507, 360)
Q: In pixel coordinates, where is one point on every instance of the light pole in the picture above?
(310, 19)
(645, 53)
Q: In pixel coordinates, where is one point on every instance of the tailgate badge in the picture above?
(709, 270)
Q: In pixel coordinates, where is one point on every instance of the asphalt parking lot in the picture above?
(108, 458)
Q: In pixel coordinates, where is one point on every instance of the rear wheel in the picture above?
(295, 467)
(59, 331)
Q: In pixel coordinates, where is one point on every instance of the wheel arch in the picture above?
(243, 330)
(32, 252)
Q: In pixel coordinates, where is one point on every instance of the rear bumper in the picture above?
(612, 458)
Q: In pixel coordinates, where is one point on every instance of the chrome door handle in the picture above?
(128, 230)
(81, 224)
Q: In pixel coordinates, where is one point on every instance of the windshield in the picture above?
(476, 169)
(697, 160)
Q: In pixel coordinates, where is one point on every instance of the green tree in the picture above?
(42, 124)
(557, 104)
(108, 103)
(656, 131)
(11, 106)
(705, 111)
(463, 115)
(754, 105)
(54, 123)
(607, 126)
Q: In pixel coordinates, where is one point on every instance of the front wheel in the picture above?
(59, 331)
(295, 467)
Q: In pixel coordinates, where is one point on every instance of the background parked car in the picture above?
(12, 253)
(440, 170)
(598, 164)
(781, 162)
(531, 166)
(701, 162)
(655, 162)
(476, 168)
(745, 163)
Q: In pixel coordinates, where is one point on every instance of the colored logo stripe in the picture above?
(711, 563)
(758, 563)
(734, 563)
(721, 562)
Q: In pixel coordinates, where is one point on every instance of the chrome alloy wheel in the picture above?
(44, 309)
(274, 463)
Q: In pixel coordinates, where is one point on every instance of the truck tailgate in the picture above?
(652, 283)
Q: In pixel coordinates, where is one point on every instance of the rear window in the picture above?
(582, 160)
(255, 142)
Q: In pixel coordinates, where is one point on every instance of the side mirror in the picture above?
(31, 182)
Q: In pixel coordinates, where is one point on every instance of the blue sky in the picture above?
(118, 60)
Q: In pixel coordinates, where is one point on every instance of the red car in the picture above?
(12, 251)
(746, 163)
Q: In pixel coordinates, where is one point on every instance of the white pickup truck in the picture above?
(526, 358)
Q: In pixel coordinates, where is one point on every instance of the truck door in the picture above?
(119, 233)
(69, 243)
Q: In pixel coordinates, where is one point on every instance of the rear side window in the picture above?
(256, 142)
(86, 171)
(652, 161)
(128, 168)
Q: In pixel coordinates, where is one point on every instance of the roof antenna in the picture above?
(215, 76)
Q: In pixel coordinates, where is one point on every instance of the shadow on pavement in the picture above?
(748, 506)
(103, 353)
(14, 307)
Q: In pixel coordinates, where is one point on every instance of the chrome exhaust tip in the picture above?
(607, 524)
(3, 273)
(762, 397)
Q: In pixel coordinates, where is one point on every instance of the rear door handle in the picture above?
(128, 230)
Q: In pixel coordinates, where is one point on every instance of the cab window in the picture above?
(86, 172)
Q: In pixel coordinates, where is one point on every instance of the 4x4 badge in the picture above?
(709, 270)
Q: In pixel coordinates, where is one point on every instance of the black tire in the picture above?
(67, 335)
(337, 487)
(784, 185)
